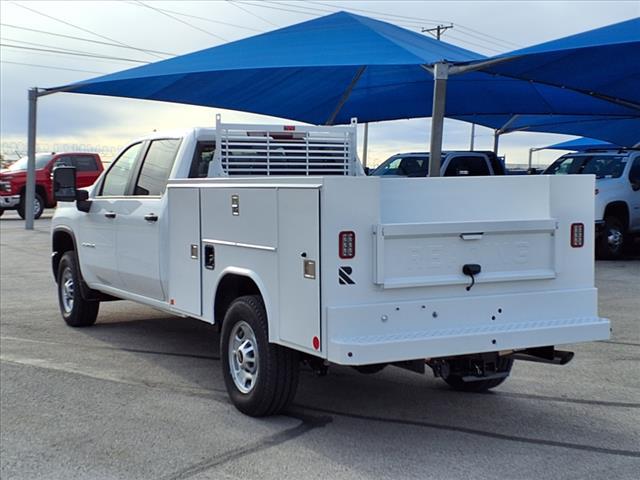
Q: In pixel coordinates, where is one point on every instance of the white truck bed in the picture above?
(403, 296)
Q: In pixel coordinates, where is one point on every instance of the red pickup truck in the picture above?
(14, 179)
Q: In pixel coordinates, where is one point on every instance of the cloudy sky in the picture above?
(152, 30)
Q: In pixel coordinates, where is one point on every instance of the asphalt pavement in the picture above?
(140, 396)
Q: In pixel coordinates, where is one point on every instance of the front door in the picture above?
(97, 232)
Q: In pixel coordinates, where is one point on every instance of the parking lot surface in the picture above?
(140, 396)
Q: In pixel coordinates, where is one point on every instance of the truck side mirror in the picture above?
(64, 184)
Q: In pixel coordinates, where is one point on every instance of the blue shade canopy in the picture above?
(333, 68)
(619, 130)
(580, 144)
(604, 63)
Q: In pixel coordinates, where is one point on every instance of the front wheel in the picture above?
(76, 311)
(38, 207)
(261, 377)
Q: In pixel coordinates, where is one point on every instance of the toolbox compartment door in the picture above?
(429, 254)
(185, 278)
(299, 267)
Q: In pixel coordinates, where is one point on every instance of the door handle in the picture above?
(151, 217)
(110, 214)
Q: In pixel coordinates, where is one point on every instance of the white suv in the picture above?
(617, 211)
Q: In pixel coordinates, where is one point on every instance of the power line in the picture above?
(76, 53)
(425, 20)
(41, 45)
(205, 19)
(279, 7)
(378, 13)
(235, 4)
(83, 29)
(72, 37)
(50, 67)
(173, 17)
(401, 20)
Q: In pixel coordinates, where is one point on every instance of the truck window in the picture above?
(411, 166)
(117, 178)
(85, 163)
(472, 166)
(64, 162)
(634, 173)
(201, 159)
(565, 166)
(156, 167)
(605, 166)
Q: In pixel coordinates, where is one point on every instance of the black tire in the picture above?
(611, 243)
(276, 367)
(370, 369)
(457, 382)
(76, 311)
(38, 207)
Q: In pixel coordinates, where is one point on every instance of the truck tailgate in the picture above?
(433, 253)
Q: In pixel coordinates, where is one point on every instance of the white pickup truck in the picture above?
(275, 234)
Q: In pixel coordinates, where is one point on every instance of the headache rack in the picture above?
(244, 149)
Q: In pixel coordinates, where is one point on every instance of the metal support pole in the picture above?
(440, 76)
(530, 157)
(30, 192)
(496, 141)
(473, 136)
(365, 145)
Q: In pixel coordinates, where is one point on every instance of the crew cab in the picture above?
(325, 265)
(14, 179)
(453, 164)
(617, 199)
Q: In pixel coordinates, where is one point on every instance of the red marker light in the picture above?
(289, 128)
(577, 235)
(316, 343)
(347, 245)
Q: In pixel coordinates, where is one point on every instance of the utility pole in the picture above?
(437, 31)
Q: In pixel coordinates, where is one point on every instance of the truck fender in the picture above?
(219, 301)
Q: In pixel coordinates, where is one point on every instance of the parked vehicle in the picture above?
(453, 164)
(617, 200)
(328, 266)
(14, 179)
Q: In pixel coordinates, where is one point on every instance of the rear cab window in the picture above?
(156, 167)
(467, 166)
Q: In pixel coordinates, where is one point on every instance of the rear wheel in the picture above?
(612, 241)
(261, 377)
(38, 207)
(477, 375)
(76, 311)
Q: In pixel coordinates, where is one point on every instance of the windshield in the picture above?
(404, 166)
(602, 166)
(41, 161)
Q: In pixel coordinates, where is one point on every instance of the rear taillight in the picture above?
(577, 235)
(347, 244)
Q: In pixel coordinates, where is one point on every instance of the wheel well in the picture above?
(231, 287)
(62, 242)
(620, 210)
(40, 190)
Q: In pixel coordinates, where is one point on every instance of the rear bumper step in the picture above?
(529, 338)
(544, 355)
